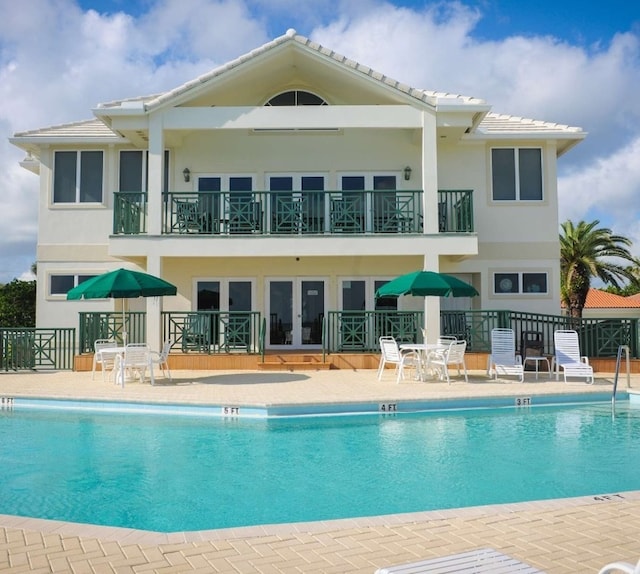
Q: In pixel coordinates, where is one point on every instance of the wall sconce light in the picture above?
(187, 174)
(407, 173)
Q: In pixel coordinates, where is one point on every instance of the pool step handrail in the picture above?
(621, 348)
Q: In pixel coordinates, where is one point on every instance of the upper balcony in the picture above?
(293, 212)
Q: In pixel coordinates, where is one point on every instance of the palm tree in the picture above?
(586, 252)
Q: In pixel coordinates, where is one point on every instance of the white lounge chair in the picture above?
(483, 560)
(391, 353)
(451, 354)
(162, 359)
(503, 360)
(106, 361)
(568, 357)
(625, 567)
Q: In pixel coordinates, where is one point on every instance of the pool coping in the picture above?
(284, 410)
(135, 536)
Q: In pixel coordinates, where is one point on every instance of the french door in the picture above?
(296, 308)
(220, 298)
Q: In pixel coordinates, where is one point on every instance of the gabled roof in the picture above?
(313, 48)
(484, 124)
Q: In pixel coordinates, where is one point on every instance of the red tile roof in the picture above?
(597, 299)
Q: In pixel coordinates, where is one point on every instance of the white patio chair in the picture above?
(503, 360)
(106, 361)
(161, 359)
(453, 354)
(568, 358)
(392, 354)
(134, 362)
(625, 567)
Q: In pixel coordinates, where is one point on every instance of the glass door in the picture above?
(296, 309)
(228, 305)
(297, 203)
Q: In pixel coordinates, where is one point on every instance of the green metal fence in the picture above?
(353, 331)
(37, 349)
(359, 331)
(111, 325)
(214, 331)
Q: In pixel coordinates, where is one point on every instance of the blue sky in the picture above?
(571, 62)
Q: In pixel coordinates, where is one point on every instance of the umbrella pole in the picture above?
(124, 325)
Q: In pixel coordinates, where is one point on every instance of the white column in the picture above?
(431, 304)
(154, 307)
(429, 172)
(154, 224)
(156, 173)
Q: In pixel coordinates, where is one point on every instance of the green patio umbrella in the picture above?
(426, 284)
(122, 284)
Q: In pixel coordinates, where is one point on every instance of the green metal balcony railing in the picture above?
(294, 213)
(129, 213)
(455, 211)
(37, 349)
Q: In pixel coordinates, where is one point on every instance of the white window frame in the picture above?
(224, 290)
(78, 190)
(516, 158)
(74, 274)
(520, 277)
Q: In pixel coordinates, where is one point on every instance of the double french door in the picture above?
(296, 308)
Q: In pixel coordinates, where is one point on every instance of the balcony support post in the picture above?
(429, 172)
(156, 172)
(432, 304)
(154, 307)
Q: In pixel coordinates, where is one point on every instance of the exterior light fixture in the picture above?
(187, 174)
(407, 173)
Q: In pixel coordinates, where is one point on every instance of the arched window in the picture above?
(296, 98)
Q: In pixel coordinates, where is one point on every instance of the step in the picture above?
(281, 365)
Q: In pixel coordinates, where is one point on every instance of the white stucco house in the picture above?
(292, 182)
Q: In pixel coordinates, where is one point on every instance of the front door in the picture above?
(296, 309)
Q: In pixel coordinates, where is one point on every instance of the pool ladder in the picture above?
(621, 348)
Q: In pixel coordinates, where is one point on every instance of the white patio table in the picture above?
(423, 352)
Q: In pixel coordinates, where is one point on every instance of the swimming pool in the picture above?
(171, 473)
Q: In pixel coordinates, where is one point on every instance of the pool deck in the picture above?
(577, 535)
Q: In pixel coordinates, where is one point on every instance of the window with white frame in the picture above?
(77, 176)
(134, 171)
(516, 174)
(520, 283)
(61, 284)
(296, 98)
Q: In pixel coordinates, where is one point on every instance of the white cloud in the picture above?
(608, 190)
(57, 62)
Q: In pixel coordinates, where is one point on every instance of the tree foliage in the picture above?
(18, 304)
(586, 252)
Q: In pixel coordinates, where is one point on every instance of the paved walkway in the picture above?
(577, 535)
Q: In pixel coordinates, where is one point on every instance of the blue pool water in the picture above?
(173, 473)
